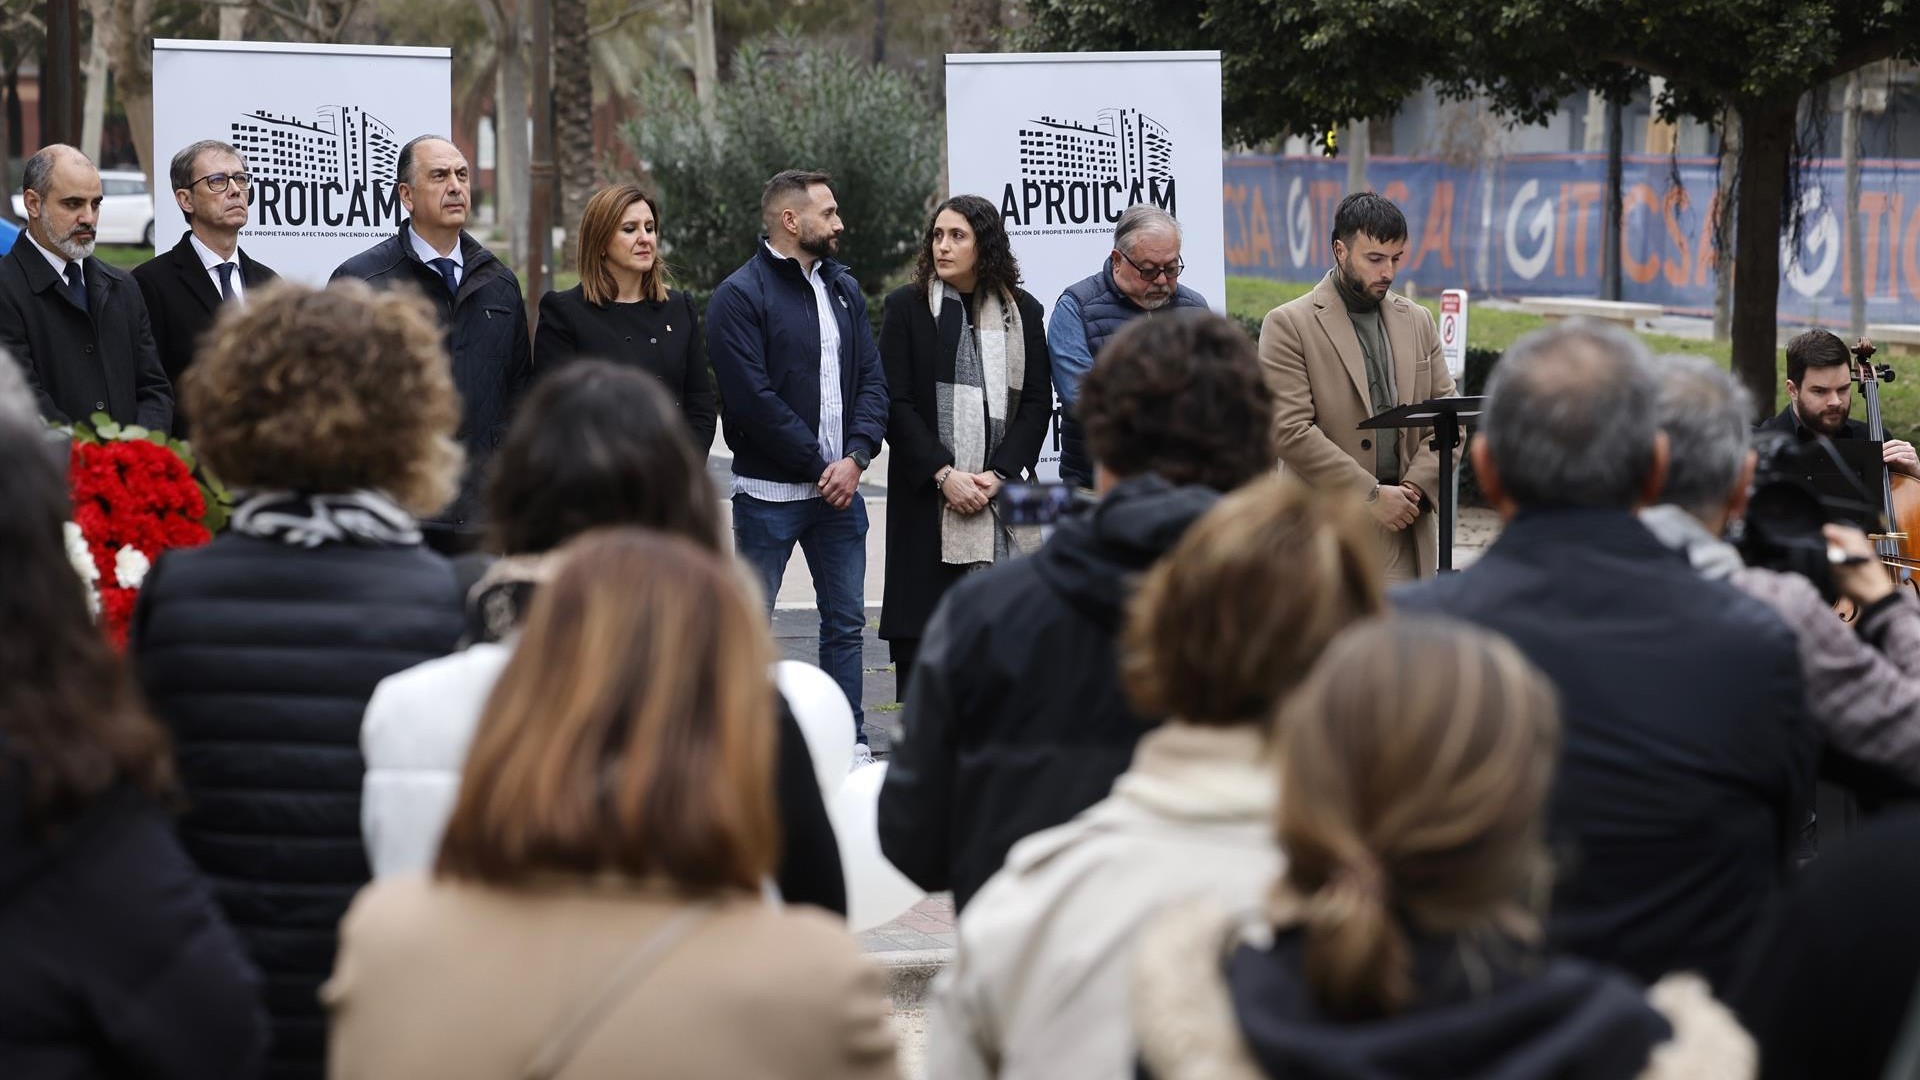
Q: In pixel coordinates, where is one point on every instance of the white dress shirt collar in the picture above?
(427, 254)
(211, 260)
(54, 259)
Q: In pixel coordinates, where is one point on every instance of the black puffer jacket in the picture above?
(1015, 720)
(114, 959)
(260, 657)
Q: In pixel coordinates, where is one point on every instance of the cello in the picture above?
(1898, 543)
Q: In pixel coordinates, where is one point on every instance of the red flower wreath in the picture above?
(131, 491)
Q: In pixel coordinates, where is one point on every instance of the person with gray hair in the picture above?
(1688, 763)
(476, 298)
(1863, 682)
(186, 286)
(1141, 276)
(77, 326)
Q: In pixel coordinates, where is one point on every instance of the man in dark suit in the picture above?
(185, 287)
(1686, 768)
(1820, 395)
(77, 326)
(477, 299)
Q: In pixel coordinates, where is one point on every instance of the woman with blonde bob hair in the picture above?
(1404, 939)
(1222, 628)
(624, 309)
(330, 413)
(597, 897)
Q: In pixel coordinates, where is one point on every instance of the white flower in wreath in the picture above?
(130, 566)
(82, 559)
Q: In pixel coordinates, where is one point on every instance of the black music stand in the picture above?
(1446, 416)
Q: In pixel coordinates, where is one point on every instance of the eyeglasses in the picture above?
(217, 182)
(1155, 273)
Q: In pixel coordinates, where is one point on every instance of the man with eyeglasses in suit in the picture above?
(1140, 277)
(185, 287)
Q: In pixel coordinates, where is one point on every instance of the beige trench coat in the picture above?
(1311, 358)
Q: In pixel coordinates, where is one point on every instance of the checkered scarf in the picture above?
(975, 398)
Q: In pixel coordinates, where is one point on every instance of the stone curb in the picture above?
(909, 971)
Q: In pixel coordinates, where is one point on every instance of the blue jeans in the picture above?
(835, 543)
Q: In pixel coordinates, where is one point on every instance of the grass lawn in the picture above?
(124, 256)
(1493, 329)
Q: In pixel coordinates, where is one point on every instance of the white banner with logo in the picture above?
(1063, 143)
(320, 128)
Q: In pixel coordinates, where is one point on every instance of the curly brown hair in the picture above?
(1179, 394)
(329, 390)
(996, 268)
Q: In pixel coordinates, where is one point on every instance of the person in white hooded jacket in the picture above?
(594, 445)
(1038, 986)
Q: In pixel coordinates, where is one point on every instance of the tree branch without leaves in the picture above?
(633, 11)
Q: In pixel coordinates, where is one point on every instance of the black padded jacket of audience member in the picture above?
(1015, 720)
(114, 959)
(259, 657)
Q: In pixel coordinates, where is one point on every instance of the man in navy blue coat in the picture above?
(804, 402)
(1686, 770)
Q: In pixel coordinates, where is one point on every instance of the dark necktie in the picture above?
(77, 284)
(226, 281)
(449, 273)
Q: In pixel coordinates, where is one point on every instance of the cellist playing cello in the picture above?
(1820, 395)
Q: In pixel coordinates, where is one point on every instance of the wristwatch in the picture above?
(861, 459)
(1374, 495)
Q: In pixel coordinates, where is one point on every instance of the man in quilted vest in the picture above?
(1141, 276)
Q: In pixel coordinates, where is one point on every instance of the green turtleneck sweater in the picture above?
(1372, 331)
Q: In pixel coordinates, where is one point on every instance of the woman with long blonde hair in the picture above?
(1404, 938)
(597, 903)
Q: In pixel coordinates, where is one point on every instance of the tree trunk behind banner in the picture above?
(572, 119)
(1766, 153)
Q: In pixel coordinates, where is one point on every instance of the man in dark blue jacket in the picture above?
(1687, 763)
(1140, 277)
(477, 300)
(804, 403)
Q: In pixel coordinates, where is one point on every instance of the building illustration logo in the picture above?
(1078, 172)
(333, 170)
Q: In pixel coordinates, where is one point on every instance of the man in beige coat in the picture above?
(1349, 349)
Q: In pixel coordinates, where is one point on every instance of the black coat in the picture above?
(114, 959)
(1687, 766)
(1787, 422)
(181, 303)
(1833, 977)
(260, 657)
(1479, 1010)
(912, 348)
(486, 328)
(763, 341)
(661, 337)
(1015, 720)
(82, 362)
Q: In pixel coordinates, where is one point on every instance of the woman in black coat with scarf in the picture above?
(972, 396)
(623, 311)
(966, 356)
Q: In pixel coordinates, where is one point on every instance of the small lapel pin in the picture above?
(669, 328)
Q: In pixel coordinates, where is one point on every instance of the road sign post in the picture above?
(1453, 332)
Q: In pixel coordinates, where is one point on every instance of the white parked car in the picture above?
(126, 209)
